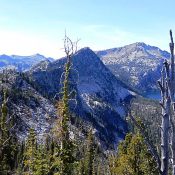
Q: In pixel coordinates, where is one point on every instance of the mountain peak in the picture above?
(142, 44)
(37, 55)
(137, 49)
(85, 50)
(135, 63)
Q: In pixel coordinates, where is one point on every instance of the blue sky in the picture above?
(37, 26)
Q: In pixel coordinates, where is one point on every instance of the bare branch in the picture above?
(171, 36)
(160, 86)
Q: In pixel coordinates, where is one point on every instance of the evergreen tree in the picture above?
(90, 155)
(67, 145)
(4, 138)
(8, 141)
(42, 162)
(20, 158)
(87, 164)
(55, 159)
(30, 155)
(133, 158)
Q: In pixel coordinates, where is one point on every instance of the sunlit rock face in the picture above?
(138, 65)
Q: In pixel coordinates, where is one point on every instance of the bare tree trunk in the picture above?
(171, 92)
(168, 109)
(173, 147)
(165, 137)
(165, 104)
(172, 66)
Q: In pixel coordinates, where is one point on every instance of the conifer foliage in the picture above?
(30, 156)
(8, 145)
(89, 162)
(133, 158)
(67, 146)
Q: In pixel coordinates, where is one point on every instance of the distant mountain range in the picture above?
(138, 65)
(21, 63)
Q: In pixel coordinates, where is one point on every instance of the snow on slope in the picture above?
(138, 64)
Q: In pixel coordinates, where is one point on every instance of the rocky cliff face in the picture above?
(138, 64)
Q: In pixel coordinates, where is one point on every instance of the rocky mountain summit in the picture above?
(138, 64)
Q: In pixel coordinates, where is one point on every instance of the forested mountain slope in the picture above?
(99, 97)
